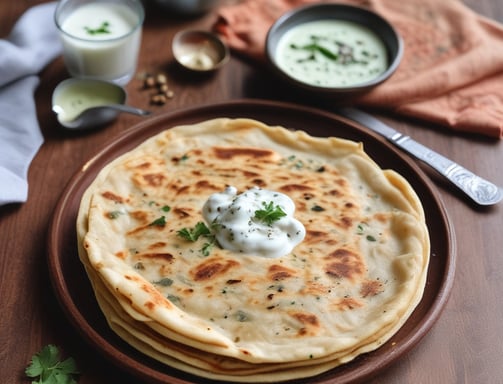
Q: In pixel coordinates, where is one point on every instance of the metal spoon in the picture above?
(85, 103)
(96, 116)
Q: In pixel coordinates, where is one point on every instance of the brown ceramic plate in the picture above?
(76, 296)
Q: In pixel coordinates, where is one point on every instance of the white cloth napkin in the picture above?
(31, 45)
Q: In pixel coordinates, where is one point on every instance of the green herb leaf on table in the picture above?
(47, 368)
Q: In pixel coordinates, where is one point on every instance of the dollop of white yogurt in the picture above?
(233, 221)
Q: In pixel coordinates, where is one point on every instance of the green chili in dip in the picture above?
(332, 53)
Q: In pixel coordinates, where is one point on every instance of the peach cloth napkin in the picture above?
(451, 72)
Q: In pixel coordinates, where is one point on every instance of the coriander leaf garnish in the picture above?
(102, 29)
(193, 234)
(164, 282)
(47, 368)
(360, 230)
(206, 249)
(159, 222)
(270, 213)
(114, 214)
(317, 48)
(344, 54)
(241, 316)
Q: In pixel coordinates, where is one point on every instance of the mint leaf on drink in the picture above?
(102, 29)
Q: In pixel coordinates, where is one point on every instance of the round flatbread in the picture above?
(344, 290)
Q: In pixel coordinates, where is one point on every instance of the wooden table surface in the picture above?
(465, 345)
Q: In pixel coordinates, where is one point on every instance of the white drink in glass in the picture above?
(101, 39)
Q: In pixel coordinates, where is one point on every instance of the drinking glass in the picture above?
(101, 38)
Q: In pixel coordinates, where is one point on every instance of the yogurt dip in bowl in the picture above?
(333, 49)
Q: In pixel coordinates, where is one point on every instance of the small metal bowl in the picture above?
(199, 51)
(376, 24)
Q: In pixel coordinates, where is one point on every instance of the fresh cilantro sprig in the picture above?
(193, 234)
(47, 368)
(270, 213)
(159, 222)
(208, 246)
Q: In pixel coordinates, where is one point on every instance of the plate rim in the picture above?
(127, 363)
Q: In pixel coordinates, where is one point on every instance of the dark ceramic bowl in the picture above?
(360, 16)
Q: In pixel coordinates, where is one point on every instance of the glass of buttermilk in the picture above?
(101, 38)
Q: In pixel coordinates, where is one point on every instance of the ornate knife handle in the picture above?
(479, 190)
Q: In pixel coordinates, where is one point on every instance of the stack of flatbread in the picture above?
(343, 291)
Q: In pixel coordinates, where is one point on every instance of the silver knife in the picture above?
(479, 190)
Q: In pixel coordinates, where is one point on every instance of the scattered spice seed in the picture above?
(163, 88)
(161, 79)
(159, 83)
(149, 81)
(158, 99)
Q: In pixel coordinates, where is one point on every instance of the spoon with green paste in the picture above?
(86, 103)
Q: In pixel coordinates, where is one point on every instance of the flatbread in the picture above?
(344, 290)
